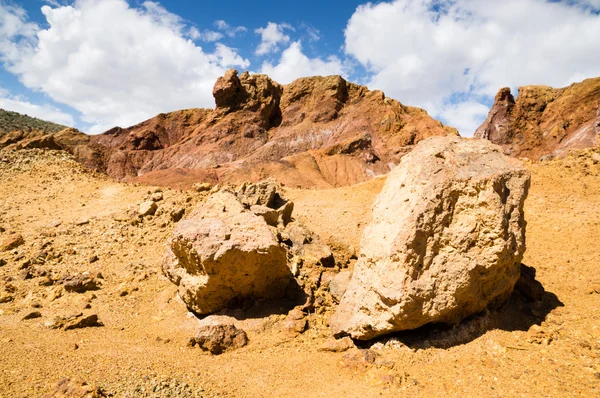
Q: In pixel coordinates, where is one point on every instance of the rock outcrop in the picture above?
(224, 253)
(446, 240)
(313, 132)
(543, 120)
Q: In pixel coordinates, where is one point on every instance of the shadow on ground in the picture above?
(519, 313)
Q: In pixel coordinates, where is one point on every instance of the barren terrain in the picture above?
(549, 349)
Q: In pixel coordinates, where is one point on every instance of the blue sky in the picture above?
(95, 64)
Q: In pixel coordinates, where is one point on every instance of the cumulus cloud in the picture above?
(23, 106)
(271, 36)
(294, 64)
(142, 65)
(428, 52)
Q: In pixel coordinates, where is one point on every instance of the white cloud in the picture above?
(425, 52)
(229, 30)
(46, 112)
(271, 36)
(141, 66)
(294, 64)
(465, 116)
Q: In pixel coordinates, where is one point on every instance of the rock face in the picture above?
(544, 120)
(313, 132)
(224, 253)
(446, 240)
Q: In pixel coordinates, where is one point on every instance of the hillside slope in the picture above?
(13, 121)
(545, 120)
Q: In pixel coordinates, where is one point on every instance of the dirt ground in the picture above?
(546, 349)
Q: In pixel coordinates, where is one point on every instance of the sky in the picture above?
(96, 64)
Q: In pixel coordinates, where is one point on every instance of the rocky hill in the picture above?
(13, 121)
(545, 120)
(314, 132)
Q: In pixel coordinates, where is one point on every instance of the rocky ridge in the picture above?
(314, 132)
(545, 121)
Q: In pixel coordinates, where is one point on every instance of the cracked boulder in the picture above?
(446, 240)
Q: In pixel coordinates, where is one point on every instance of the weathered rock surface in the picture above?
(545, 121)
(446, 240)
(219, 338)
(224, 253)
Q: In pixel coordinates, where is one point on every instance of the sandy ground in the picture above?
(547, 349)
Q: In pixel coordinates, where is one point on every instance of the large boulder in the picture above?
(446, 240)
(224, 253)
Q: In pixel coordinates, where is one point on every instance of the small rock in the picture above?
(74, 389)
(45, 281)
(79, 283)
(82, 221)
(2, 262)
(341, 345)
(93, 259)
(32, 315)
(83, 322)
(148, 208)
(594, 289)
(54, 224)
(296, 314)
(6, 297)
(219, 338)
(157, 197)
(294, 326)
(202, 187)
(177, 214)
(11, 242)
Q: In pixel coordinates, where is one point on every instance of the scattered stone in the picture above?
(67, 388)
(528, 286)
(148, 208)
(223, 253)
(177, 214)
(80, 283)
(339, 284)
(156, 196)
(446, 241)
(594, 289)
(2, 262)
(11, 242)
(32, 315)
(6, 297)
(93, 259)
(46, 281)
(202, 187)
(219, 338)
(82, 221)
(54, 224)
(296, 314)
(337, 345)
(83, 322)
(294, 326)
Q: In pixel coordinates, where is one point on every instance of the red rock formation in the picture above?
(545, 121)
(314, 132)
